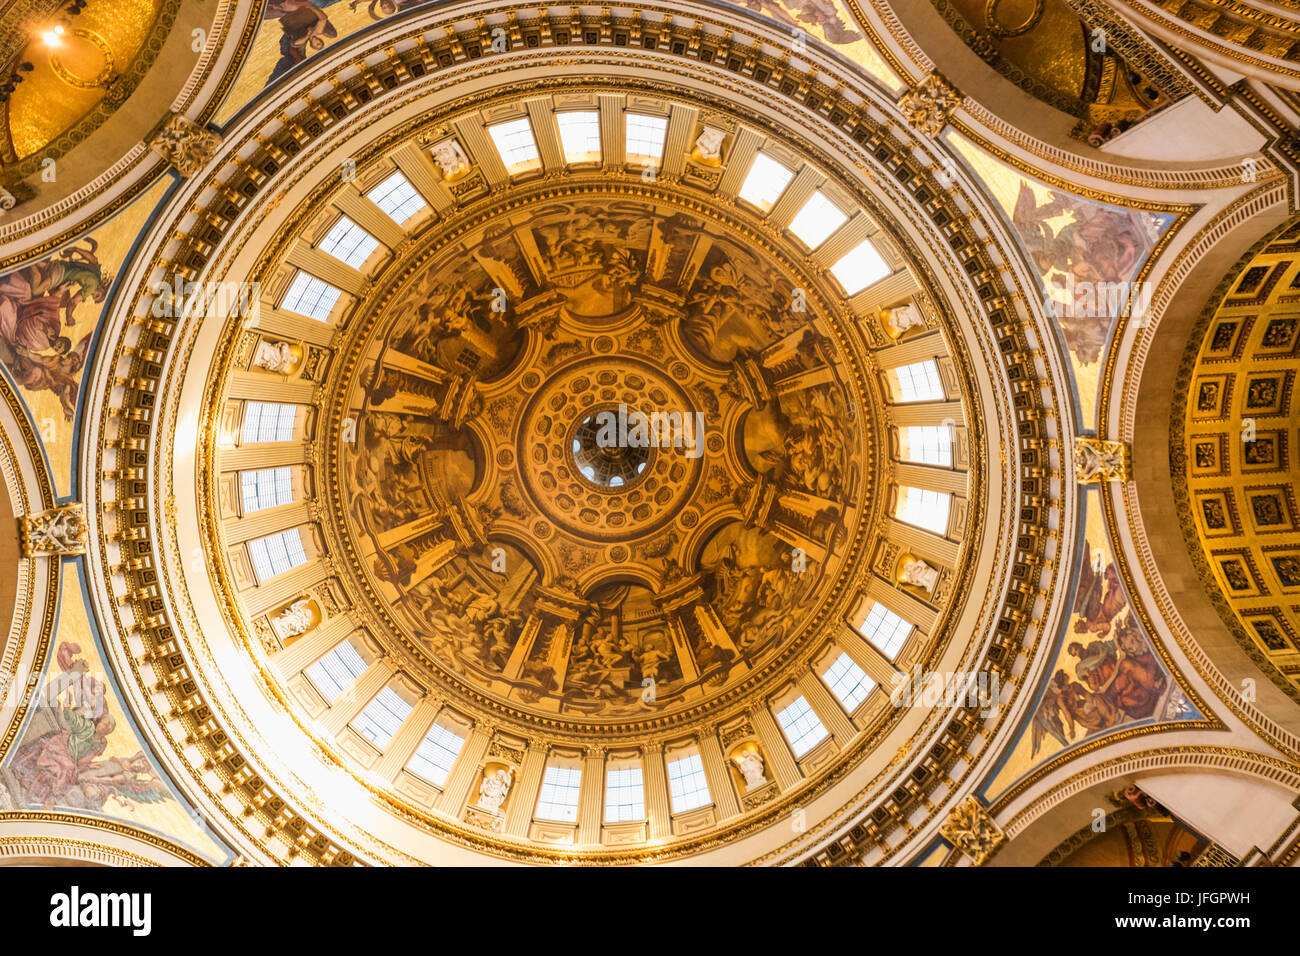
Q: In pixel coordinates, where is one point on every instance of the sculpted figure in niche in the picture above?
(919, 574)
(708, 147)
(294, 620)
(451, 159)
(494, 789)
(901, 318)
(750, 764)
(275, 357)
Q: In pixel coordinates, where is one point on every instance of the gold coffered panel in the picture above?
(1238, 461)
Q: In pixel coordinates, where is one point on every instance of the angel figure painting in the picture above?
(63, 760)
(79, 750)
(38, 304)
(1105, 674)
(1089, 257)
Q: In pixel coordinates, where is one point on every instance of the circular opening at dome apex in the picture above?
(602, 459)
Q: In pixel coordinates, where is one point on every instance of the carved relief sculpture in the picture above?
(901, 318)
(1097, 460)
(276, 357)
(928, 106)
(972, 831)
(185, 144)
(708, 146)
(59, 531)
(451, 160)
(494, 789)
(912, 570)
(294, 620)
(750, 764)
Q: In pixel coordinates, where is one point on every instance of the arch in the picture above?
(1153, 536)
(1047, 818)
(61, 839)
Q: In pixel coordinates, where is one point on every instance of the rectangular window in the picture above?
(859, 267)
(436, 754)
(800, 726)
(268, 421)
(924, 508)
(885, 629)
(687, 787)
(276, 553)
(818, 218)
(349, 243)
(514, 141)
(382, 717)
(848, 682)
(559, 799)
(645, 138)
(624, 795)
(397, 198)
(765, 182)
(266, 488)
(918, 382)
(310, 296)
(580, 136)
(926, 444)
(336, 671)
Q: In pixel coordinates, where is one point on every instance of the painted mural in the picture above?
(294, 30)
(1105, 674)
(49, 310)
(1088, 256)
(621, 597)
(831, 22)
(79, 750)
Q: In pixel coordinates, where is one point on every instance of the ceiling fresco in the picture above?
(471, 505)
(1104, 672)
(1047, 50)
(80, 751)
(1089, 257)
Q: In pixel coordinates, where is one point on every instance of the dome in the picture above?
(784, 434)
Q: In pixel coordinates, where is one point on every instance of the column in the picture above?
(528, 786)
(743, 151)
(658, 809)
(613, 143)
(541, 116)
(800, 190)
(781, 764)
(903, 604)
(827, 708)
(718, 776)
(455, 792)
(878, 667)
(258, 524)
(370, 683)
(262, 387)
(308, 648)
(418, 168)
(407, 738)
(326, 268)
(591, 796)
(280, 588)
(258, 455)
(366, 215)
